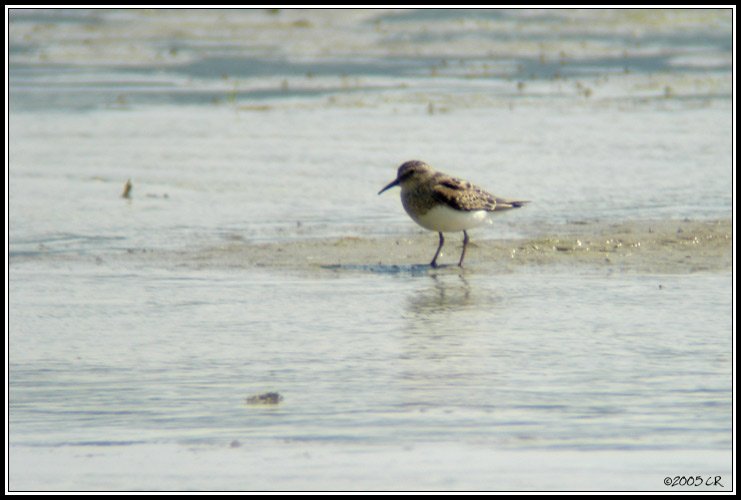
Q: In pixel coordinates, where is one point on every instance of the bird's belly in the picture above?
(442, 218)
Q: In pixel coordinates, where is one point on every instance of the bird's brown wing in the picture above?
(462, 195)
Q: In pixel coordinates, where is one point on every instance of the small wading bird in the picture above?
(442, 203)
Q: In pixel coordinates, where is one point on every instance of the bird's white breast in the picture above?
(442, 218)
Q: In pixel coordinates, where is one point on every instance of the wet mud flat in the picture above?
(658, 246)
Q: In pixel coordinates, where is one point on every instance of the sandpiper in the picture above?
(442, 203)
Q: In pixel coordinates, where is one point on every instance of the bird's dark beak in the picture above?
(395, 182)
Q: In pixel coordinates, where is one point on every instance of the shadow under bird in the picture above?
(439, 202)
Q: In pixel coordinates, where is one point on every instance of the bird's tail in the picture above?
(503, 204)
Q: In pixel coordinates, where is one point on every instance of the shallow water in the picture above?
(136, 334)
(153, 354)
(114, 358)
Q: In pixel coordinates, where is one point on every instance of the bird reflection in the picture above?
(448, 293)
(444, 355)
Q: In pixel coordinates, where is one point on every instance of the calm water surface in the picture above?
(545, 361)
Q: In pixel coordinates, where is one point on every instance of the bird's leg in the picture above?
(463, 253)
(440, 247)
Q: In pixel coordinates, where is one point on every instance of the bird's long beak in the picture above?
(393, 183)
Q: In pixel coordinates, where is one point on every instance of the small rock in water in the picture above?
(267, 398)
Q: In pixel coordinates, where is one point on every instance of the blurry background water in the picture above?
(273, 125)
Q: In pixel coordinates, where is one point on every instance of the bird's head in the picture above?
(409, 172)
